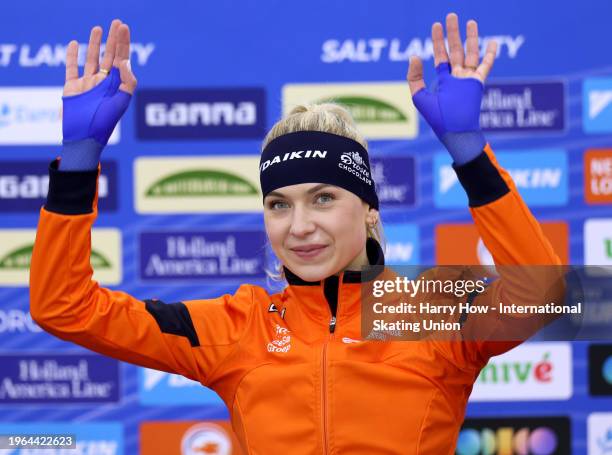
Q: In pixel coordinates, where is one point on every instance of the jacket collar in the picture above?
(376, 258)
(337, 295)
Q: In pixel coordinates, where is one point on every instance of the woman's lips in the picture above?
(308, 252)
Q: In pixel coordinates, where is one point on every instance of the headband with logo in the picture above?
(317, 157)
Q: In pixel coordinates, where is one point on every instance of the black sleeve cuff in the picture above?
(481, 180)
(71, 192)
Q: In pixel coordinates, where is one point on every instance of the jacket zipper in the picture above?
(332, 329)
(324, 395)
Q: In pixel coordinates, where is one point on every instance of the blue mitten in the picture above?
(89, 119)
(453, 112)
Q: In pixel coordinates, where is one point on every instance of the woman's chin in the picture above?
(314, 272)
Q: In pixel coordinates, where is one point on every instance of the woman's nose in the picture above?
(301, 222)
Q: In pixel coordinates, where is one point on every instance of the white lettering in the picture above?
(536, 178)
(291, 156)
(6, 53)
(206, 114)
(142, 51)
(17, 321)
(364, 50)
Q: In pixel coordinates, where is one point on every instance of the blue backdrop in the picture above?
(548, 109)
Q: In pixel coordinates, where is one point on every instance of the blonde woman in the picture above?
(293, 368)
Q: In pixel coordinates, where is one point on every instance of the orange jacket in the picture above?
(294, 379)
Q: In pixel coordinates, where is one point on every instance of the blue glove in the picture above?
(453, 112)
(89, 119)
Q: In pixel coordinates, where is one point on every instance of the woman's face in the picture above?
(317, 230)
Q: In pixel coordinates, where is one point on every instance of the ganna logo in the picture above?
(282, 341)
(517, 372)
(206, 114)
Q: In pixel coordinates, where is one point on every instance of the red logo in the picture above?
(460, 244)
(598, 176)
(188, 438)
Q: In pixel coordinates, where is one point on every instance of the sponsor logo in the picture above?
(206, 438)
(600, 369)
(17, 321)
(540, 176)
(194, 438)
(365, 50)
(597, 100)
(202, 255)
(514, 107)
(598, 242)
(402, 244)
(27, 109)
(381, 110)
(395, 181)
(458, 244)
(281, 341)
(599, 431)
(53, 55)
(595, 290)
(90, 438)
(201, 114)
(24, 186)
(347, 340)
(273, 309)
(598, 176)
(525, 435)
(353, 163)
(16, 247)
(531, 371)
(53, 379)
(201, 182)
(322, 154)
(197, 185)
(158, 388)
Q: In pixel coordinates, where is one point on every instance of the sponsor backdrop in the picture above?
(180, 207)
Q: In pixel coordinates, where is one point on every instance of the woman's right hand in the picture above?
(116, 54)
(94, 102)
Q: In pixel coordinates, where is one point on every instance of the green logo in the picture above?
(608, 247)
(364, 109)
(18, 259)
(21, 259)
(202, 183)
(98, 261)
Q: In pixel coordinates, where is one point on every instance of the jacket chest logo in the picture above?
(272, 309)
(281, 341)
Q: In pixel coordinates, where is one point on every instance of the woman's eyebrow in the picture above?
(317, 188)
(274, 193)
(310, 191)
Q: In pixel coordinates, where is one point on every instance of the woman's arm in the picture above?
(94, 102)
(188, 338)
(505, 223)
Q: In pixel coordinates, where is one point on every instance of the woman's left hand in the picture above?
(453, 108)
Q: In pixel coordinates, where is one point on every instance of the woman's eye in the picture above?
(324, 198)
(277, 205)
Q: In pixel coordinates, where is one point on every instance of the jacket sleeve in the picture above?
(514, 237)
(189, 338)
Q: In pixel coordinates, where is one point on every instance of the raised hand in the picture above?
(94, 102)
(453, 109)
(116, 54)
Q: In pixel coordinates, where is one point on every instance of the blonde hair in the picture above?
(327, 118)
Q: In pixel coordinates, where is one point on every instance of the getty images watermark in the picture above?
(486, 303)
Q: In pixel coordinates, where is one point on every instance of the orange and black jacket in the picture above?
(292, 367)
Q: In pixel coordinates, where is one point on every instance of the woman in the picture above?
(292, 367)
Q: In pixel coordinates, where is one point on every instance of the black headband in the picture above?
(316, 157)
